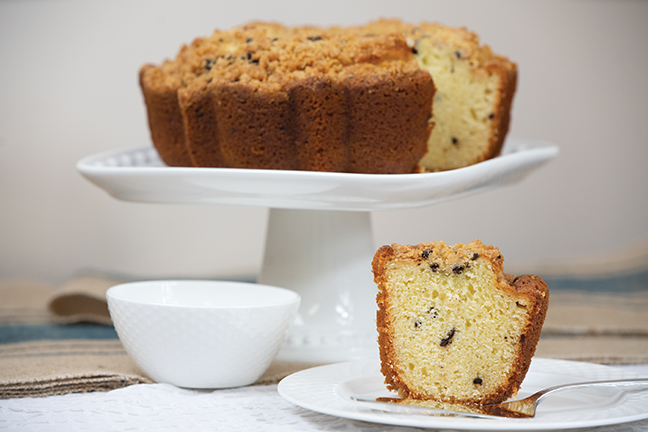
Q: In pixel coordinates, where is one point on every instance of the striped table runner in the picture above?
(60, 340)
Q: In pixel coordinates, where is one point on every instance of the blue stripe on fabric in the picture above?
(65, 354)
(28, 333)
(629, 283)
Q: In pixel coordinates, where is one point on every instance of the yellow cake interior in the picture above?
(464, 106)
(455, 334)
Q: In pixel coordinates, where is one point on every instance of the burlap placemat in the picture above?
(59, 340)
(596, 327)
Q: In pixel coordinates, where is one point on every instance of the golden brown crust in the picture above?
(535, 291)
(250, 98)
(502, 117)
(321, 124)
(383, 323)
(530, 291)
(268, 96)
(253, 127)
(199, 120)
(165, 118)
(388, 120)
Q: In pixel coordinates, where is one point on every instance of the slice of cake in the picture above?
(453, 327)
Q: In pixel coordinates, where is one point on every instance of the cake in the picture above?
(274, 97)
(354, 99)
(453, 327)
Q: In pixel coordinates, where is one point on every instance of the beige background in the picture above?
(68, 89)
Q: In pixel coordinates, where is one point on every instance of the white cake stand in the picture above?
(319, 241)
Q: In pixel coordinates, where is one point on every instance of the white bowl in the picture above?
(202, 334)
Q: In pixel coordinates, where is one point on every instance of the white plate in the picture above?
(139, 175)
(326, 389)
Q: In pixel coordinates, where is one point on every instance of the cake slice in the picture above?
(453, 327)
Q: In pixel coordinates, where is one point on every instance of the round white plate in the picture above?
(139, 175)
(326, 389)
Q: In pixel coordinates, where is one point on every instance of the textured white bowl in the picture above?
(202, 334)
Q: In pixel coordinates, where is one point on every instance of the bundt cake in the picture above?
(452, 326)
(355, 99)
(274, 97)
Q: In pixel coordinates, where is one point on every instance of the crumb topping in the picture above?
(446, 259)
(270, 55)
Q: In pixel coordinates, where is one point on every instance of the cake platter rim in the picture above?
(138, 175)
(324, 389)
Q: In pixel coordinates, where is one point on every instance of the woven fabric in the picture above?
(56, 341)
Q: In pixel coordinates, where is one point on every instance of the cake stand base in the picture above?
(325, 256)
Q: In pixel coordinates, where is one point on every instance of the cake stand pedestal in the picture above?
(319, 240)
(326, 257)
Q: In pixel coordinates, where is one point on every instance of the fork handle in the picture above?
(609, 383)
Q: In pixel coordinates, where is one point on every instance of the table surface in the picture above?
(163, 407)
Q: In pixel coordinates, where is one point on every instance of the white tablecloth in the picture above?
(162, 407)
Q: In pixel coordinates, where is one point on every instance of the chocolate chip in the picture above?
(425, 253)
(474, 256)
(448, 339)
(434, 267)
(248, 40)
(478, 381)
(515, 280)
(458, 54)
(455, 140)
(458, 269)
(414, 51)
(251, 60)
(314, 38)
(491, 116)
(417, 323)
(522, 337)
(209, 63)
(499, 257)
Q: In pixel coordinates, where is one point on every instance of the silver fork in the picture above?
(523, 408)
